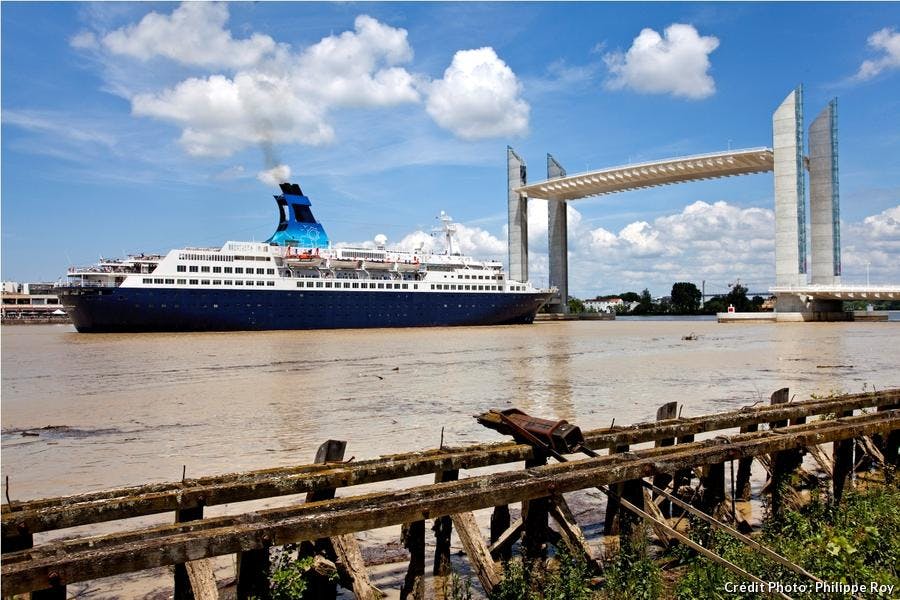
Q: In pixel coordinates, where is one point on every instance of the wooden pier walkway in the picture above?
(776, 431)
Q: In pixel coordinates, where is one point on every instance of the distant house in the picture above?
(605, 304)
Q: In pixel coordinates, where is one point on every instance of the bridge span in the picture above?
(840, 292)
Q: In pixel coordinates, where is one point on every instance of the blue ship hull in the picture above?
(154, 309)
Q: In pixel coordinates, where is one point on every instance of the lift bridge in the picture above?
(807, 271)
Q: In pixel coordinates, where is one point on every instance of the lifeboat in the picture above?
(304, 258)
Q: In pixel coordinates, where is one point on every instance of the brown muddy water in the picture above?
(113, 410)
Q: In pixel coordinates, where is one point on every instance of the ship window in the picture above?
(239, 269)
(193, 282)
(182, 281)
(248, 283)
(147, 280)
(172, 281)
(181, 268)
(228, 269)
(271, 283)
(318, 284)
(238, 282)
(260, 271)
(299, 284)
(217, 269)
(405, 286)
(193, 268)
(204, 282)
(415, 286)
(380, 286)
(157, 281)
(217, 282)
(227, 282)
(270, 271)
(328, 284)
(204, 269)
(356, 285)
(468, 287)
(260, 283)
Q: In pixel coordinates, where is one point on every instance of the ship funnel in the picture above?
(296, 225)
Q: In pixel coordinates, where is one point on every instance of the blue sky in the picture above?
(131, 127)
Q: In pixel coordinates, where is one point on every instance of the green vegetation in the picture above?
(565, 579)
(857, 542)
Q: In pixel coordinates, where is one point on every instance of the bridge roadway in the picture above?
(651, 174)
(841, 292)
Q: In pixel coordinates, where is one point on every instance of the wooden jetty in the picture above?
(775, 433)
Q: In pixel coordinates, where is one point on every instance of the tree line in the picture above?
(685, 299)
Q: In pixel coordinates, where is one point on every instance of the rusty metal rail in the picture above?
(69, 511)
(79, 560)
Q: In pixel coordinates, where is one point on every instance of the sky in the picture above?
(142, 127)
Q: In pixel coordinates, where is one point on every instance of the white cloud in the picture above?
(874, 243)
(478, 97)
(275, 175)
(288, 98)
(676, 63)
(255, 91)
(886, 41)
(194, 34)
(83, 40)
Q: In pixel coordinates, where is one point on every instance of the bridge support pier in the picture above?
(558, 238)
(793, 307)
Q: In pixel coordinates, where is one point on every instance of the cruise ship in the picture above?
(296, 280)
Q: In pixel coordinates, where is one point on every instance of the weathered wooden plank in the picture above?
(202, 579)
(169, 545)
(69, 511)
(571, 533)
(413, 538)
(352, 568)
(501, 548)
(476, 550)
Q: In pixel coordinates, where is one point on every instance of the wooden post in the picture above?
(500, 522)
(744, 467)
(320, 586)
(413, 538)
(183, 589)
(890, 447)
(611, 520)
(443, 528)
(669, 410)
(534, 515)
(843, 463)
(713, 488)
(633, 492)
(783, 463)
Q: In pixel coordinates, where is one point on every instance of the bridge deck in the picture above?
(652, 174)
